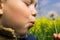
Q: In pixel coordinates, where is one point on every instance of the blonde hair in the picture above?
(34, 1)
(0, 3)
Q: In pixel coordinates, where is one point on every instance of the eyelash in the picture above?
(27, 4)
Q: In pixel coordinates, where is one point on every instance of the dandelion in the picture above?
(52, 15)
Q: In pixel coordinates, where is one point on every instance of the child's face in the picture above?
(19, 14)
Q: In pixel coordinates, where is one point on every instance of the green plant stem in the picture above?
(55, 27)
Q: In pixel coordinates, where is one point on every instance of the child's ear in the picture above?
(1, 10)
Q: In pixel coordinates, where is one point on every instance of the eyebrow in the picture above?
(34, 1)
(31, 2)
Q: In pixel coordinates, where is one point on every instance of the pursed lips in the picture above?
(31, 23)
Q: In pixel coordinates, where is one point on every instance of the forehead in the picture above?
(33, 1)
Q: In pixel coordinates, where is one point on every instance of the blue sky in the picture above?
(46, 6)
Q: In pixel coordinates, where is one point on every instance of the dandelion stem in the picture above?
(55, 27)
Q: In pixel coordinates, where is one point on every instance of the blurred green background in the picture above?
(44, 28)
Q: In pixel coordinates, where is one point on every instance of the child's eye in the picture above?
(28, 4)
(35, 4)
